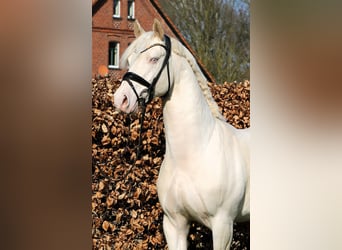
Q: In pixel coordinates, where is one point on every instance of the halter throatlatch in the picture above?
(130, 76)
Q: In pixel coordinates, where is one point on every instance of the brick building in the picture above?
(112, 31)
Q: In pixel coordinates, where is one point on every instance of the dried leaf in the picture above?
(104, 128)
(101, 185)
(105, 225)
(110, 200)
(105, 140)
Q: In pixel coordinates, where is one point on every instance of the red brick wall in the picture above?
(107, 29)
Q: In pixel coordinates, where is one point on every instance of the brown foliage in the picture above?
(126, 213)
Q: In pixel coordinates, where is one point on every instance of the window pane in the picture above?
(116, 8)
(113, 54)
(130, 9)
(110, 57)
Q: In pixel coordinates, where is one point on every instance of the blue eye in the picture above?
(154, 59)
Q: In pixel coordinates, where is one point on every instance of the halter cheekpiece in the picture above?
(130, 76)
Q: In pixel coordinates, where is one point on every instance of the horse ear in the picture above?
(138, 30)
(158, 29)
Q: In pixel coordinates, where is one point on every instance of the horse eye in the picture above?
(154, 59)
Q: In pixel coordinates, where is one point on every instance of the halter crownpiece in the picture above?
(130, 76)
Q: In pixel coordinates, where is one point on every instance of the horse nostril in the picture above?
(125, 101)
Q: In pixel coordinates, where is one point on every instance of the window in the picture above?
(113, 55)
(116, 8)
(130, 9)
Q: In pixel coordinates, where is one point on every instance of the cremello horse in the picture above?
(205, 173)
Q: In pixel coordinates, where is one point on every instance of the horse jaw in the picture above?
(125, 100)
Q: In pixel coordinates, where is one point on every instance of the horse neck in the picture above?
(188, 119)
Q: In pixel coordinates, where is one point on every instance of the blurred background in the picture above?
(295, 64)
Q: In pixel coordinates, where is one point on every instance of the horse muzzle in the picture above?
(125, 100)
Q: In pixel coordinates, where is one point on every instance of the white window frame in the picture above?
(116, 8)
(116, 55)
(132, 8)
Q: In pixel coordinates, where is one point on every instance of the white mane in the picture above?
(180, 50)
(143, 41)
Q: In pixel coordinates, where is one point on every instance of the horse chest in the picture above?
(183, 194)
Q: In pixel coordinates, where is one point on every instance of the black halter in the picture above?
(130, 76)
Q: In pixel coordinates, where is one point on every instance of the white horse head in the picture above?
(148, 76)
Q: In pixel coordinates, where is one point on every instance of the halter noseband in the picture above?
(130, 76)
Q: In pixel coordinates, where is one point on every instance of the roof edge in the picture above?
(96, 5)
